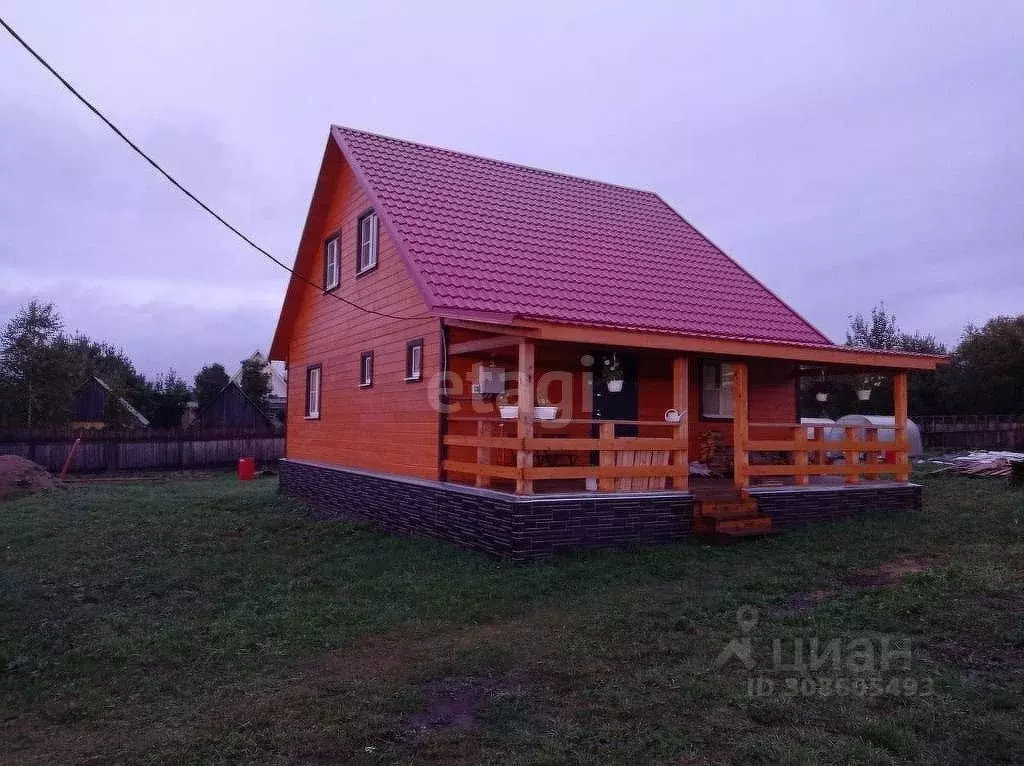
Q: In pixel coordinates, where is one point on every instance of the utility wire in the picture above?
(174, 182)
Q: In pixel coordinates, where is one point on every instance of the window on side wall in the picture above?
(716, 390)
(313, 391)
(332, 263)
(414, 360)
(368, 236)
(366, 369)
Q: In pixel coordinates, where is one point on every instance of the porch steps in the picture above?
(724, 519)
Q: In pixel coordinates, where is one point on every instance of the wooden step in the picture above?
(739, 534)
(727, 510)
(754, 523)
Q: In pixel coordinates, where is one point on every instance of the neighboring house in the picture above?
(651, 343)
(89, 409)
(231, 407)
(277, 396)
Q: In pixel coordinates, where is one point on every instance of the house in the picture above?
(435, 291)
(277, 396)
(232, 407)
(91, 408)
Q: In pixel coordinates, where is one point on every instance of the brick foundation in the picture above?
(539, 526)
(791, 508)
(518, 528)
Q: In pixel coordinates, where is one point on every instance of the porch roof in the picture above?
(817, 353)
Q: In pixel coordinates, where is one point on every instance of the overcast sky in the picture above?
(845, 153)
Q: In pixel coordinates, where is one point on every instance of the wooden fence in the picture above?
(142, 449)
(998, 432)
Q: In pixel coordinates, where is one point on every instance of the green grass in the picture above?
(211, 621)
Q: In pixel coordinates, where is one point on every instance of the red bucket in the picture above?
(246, 468)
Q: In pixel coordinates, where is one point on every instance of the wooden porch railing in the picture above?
(624, 463)
(863, 454)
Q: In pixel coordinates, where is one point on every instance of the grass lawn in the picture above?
(210, 621)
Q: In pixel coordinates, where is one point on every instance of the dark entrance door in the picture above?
(623, 405)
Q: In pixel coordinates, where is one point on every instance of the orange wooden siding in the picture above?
(391, 426)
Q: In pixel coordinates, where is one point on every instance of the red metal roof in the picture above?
(483, 236)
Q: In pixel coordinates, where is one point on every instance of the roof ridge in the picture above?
(493, 161)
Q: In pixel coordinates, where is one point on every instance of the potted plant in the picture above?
(507, 410)
(614, 375)
(864, 385)
(544, 410)
(821, 389)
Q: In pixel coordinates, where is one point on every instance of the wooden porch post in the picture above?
(680, 397)
(524, 457)
(740, 426)
(899, 395)
(485, 430)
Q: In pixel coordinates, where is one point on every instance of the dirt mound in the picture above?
(19, 476)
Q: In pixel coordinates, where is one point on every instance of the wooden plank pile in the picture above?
(985, 463)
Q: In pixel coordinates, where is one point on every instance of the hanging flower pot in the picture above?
(545, 412)
(821, 396)
(863, 394)
(614, 375)
(505, 410)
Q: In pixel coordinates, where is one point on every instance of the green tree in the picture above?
(880, 331)
(255, 381)
(170, 395)
(36, 381)
(928, 393)
(989, 364)
(209, 381)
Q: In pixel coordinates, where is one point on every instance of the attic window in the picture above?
(366, 369)
(313, 392)
(716, 390)
(368, 235)
(414, 360)
(332, 263)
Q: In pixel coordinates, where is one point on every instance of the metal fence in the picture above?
(996, 432)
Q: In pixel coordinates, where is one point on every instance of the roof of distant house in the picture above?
(124, 403)
(278, 383)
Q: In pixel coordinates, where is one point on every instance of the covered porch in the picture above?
(733, 416)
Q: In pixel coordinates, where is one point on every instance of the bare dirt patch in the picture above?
(455, 702)
(801, 603)
(19, 477)
(889, 573)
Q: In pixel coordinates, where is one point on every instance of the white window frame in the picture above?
(415, 360)
(716, 381)
(332, 263)
(314, 375)
(365, 370)
(368, 235)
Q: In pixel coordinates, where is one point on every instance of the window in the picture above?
(332, 263)
(414, 360)
(716, 390)
(313, 392)
(367, 256)
(366, 369)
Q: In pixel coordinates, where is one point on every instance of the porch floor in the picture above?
(701, 487)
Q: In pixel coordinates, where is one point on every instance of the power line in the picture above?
(177, 184)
